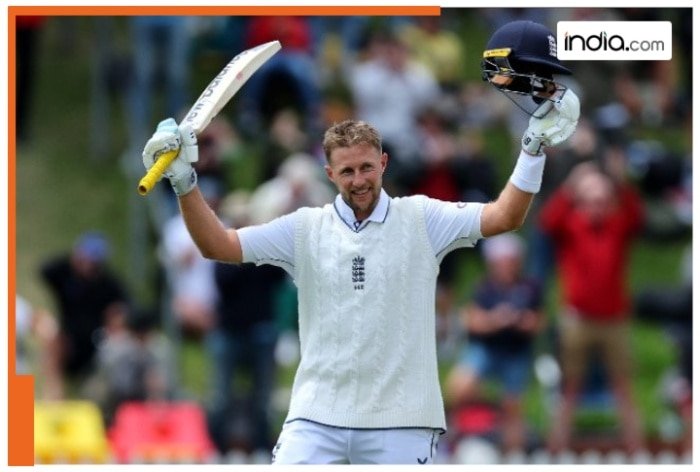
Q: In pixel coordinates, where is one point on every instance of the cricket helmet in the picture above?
(520, 59)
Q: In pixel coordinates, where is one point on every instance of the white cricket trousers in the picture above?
(307, 442)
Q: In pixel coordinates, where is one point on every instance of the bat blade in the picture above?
(231, 78)
(214, 97)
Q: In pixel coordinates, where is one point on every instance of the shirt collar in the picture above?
(348, 216)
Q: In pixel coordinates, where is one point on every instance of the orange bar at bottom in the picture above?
(20, 420)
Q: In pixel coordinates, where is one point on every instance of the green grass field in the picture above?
(62, 191)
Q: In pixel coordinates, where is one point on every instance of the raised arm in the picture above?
(209, 234)
(508, 211)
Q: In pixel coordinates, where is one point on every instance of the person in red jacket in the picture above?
(592, 220)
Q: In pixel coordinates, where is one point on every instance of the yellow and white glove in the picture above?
(169, 137)
(555, 127)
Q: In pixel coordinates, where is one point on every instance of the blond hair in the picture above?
(350, 133)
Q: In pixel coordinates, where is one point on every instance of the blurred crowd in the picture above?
(613, 183)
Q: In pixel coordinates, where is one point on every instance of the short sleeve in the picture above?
(270, 243)
(451, 225)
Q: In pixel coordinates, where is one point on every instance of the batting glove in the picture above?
(169, 137)
(554, 127)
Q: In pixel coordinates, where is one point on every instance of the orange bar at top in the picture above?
(225, 10)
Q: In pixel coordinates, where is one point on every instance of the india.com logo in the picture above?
(603, 42)
(615, 40)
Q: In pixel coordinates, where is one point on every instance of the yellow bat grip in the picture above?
(149, 180)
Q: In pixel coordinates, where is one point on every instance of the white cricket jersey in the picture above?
(366, 306)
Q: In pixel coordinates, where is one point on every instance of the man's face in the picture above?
(505, 268)
(86, 267)
(357, 173)
(595, 195)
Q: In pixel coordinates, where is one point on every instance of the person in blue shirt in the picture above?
(501, 322)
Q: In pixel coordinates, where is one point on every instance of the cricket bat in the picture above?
(212, 100)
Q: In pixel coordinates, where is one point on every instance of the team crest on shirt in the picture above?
(358, 273)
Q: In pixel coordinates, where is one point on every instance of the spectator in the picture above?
(298, 183)
(592, 220)
(407, 87)
(584, 146)
(501, 322)
(87, 294)
(454, 166)
(440, 155)
(36, 326)
(286, 137)
(190, 275)
(132, 363)
(243, 341)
